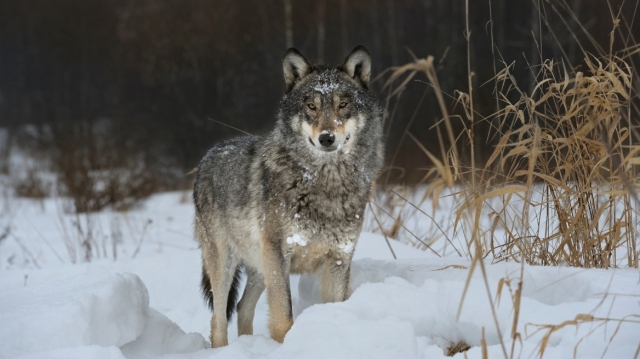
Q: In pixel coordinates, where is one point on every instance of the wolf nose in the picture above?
(326, 139)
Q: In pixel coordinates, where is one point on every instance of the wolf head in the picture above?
(327, 110)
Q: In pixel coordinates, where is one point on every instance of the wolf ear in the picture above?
(358, 65)
(295, 67)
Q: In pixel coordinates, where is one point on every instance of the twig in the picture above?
(235, 128)
(26, 250)
(382, 231)
(431, 218)
(144, 231)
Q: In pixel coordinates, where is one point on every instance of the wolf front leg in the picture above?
(220, 266)
(335, 274)
(276, 277)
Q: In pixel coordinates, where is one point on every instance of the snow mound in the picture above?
(398, 308)
(246, 346)
(409, 309)
(95, 308)
(93, 352)
(161, 336)
(335, 331)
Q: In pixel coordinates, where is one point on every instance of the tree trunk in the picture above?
(320, 6)
(288, 20)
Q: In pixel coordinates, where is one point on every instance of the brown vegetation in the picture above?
(565, 157)
(563, 168)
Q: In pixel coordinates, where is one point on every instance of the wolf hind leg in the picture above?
(221, 267)
(247, 305)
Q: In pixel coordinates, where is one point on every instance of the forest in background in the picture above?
(134, 85)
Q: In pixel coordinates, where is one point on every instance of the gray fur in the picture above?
(282, 203)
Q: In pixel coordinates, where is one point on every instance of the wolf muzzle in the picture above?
(326, 139)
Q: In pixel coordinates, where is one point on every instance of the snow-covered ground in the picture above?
(139, 297)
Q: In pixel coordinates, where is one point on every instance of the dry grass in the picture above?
(582, 319)
(89, 236)
(32, 185)
(575, 154)
(456, 348)
(561, 186)
(562, 181)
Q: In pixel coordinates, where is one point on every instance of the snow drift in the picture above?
(149, 305)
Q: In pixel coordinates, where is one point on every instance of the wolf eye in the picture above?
(343, 104)
(311, 106)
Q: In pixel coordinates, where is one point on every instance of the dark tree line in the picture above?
(133, 83)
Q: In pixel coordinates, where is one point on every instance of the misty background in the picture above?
(117, 97)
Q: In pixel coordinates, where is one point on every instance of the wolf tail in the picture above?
(232, 299)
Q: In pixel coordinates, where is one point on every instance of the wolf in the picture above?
(292, 200)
